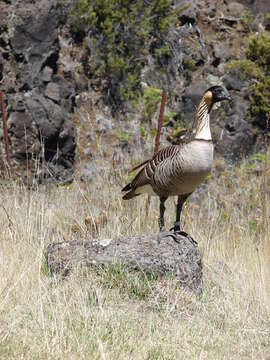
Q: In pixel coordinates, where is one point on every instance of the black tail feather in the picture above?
(131, 194)
(127, 187)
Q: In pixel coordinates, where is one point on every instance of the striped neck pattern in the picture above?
(203, 121)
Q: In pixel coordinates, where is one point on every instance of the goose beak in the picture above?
(225, 96)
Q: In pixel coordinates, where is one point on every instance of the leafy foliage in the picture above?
(260, 98)
(249, 69)
(259, 53)
(152, 97)
(257, 68)
(247, 19)
(189, 63)
(259, 50)
(123, 137)
(118, 36)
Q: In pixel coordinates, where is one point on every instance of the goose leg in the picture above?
(180, 202)
(162, 211)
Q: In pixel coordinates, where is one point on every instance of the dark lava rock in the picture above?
(189, 13)
(236, 9)
(53, 92)
(232, 133)
(40, 101)
(46, 74)
(234, 80)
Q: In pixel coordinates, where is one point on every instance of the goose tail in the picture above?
(131, 194)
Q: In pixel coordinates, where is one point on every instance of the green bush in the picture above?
(119, 38)
(260, 97)
(123, 137)
(259, 50)
(257, 68)
(259, 53)
(267, 16)
(248, 68)
(152, 98)
(189, 64)
(247, 19)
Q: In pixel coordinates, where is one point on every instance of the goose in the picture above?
(177, 170)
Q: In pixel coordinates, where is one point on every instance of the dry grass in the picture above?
(117, 315)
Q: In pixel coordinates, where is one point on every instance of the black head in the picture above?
(218, 94)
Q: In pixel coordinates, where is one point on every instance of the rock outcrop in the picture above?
(43, 69)
(39, 99)
(166, 254)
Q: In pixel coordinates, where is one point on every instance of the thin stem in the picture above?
(5, 127)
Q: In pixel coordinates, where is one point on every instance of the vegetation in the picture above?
(152, 98)
(118, 37)
(247, 19)
(189, 64)
(267, 16)
(259, 50)
(257, 68)
(130, 285)
(248, 69)
(116, 314)
(123, 137)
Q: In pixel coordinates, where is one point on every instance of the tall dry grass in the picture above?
(117, 315)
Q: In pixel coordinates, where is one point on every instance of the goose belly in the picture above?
(189, 181)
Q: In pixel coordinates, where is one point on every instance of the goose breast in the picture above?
(183, 173)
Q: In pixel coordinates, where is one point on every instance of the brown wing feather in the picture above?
(145, 175)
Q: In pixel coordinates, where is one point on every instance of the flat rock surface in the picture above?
(164, 253)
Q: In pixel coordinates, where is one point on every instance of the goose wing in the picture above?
(145, 175)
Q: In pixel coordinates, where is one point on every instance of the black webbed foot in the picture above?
(176, 229)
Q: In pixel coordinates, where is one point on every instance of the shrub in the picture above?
(189, 64)
(152, 98)
(247, 19)
(260, 97)
(118, 40)
(257, 68)
(123, 137)
(248, 68)
(259, 50)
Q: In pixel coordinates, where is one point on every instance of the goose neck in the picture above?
(203, 122)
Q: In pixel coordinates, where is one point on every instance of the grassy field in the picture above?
(119, 315)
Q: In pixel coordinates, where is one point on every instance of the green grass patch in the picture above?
(123, 137)
(132, 284)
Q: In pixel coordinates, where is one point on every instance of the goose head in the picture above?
(215, 94)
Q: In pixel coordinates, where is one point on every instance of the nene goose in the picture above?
(179, 169)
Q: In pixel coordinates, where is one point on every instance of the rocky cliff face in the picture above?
(43, 69)
(39, 98)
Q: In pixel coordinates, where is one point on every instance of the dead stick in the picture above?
(5, 127)
(157, 141)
